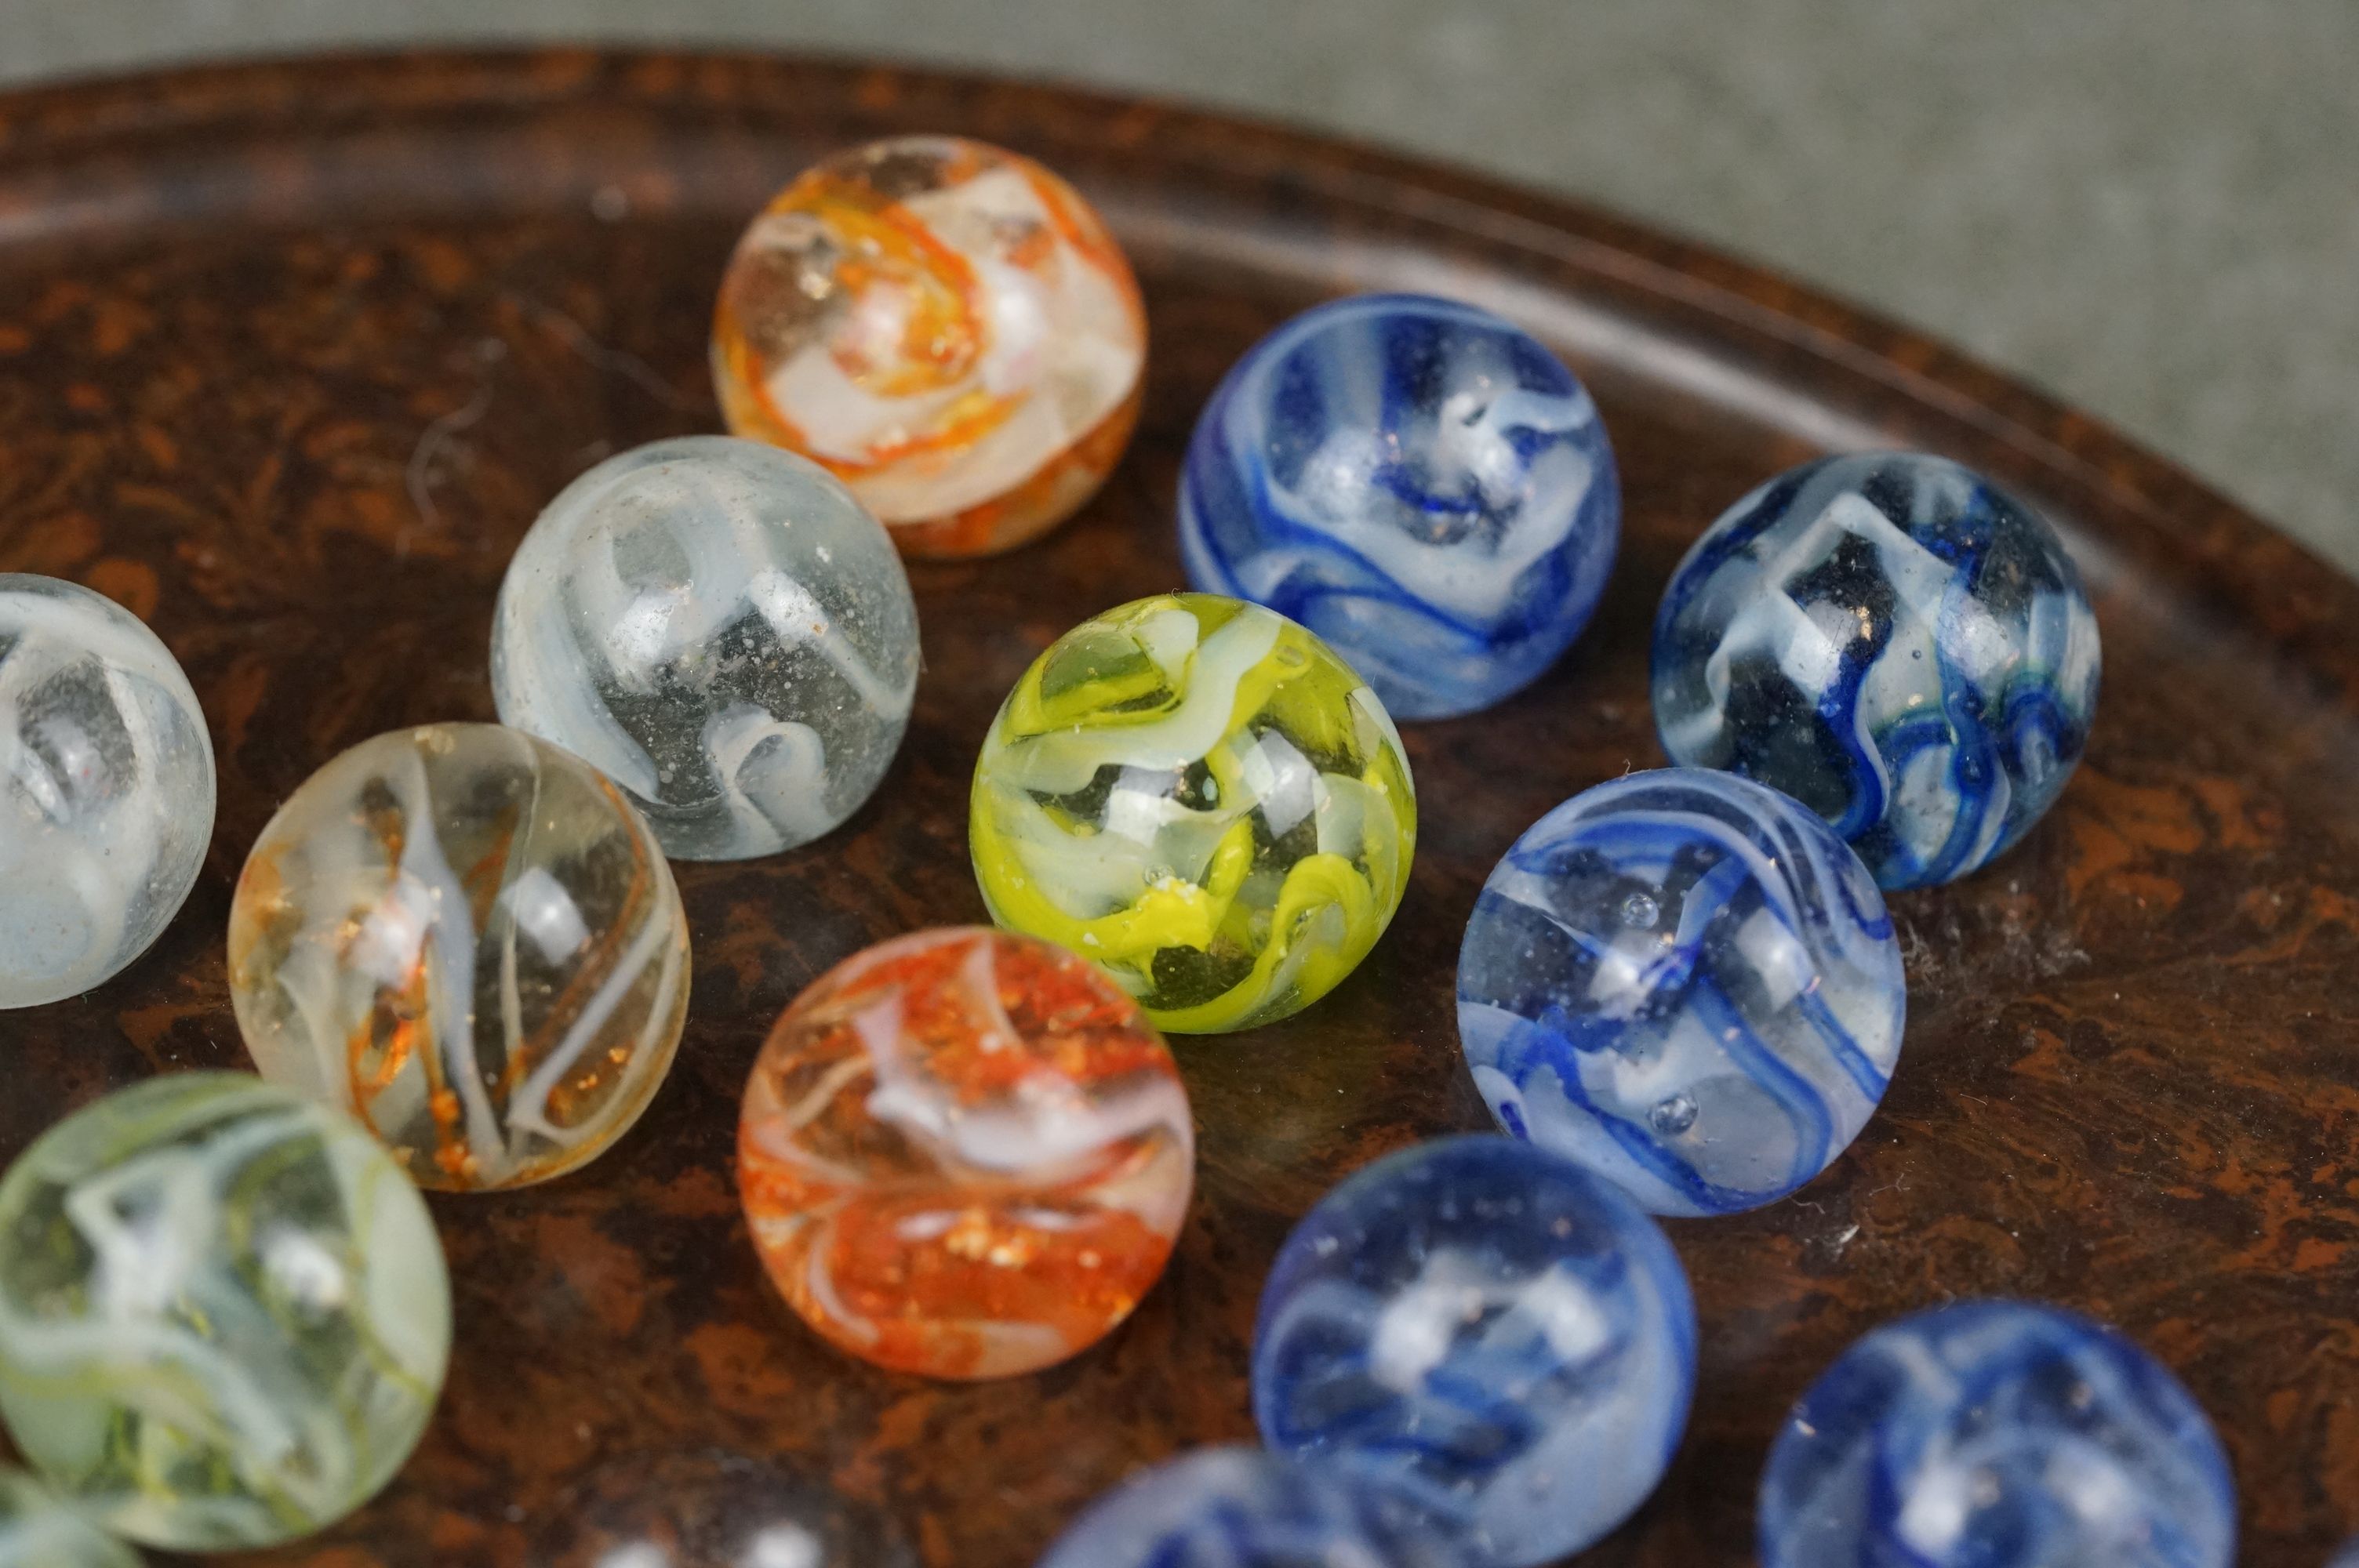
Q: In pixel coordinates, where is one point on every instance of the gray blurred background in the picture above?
(2148, 206)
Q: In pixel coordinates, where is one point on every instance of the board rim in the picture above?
(2224, 556)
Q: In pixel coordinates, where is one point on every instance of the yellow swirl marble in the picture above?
(1199, 797)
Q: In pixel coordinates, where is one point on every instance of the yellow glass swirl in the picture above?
(1200, 798)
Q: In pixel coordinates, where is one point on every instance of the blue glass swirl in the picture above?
(1896, 643)
(1687, 983)
(1500, 1341)
(1419, 481)
(1242, 1508)
(1997, 1434)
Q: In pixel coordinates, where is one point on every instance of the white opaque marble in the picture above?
(106, 788)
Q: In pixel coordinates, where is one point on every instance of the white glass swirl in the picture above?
(720, 629)
(106, 789)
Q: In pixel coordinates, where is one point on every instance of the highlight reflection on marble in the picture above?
(964, 1154)
(710, 1508)
(946, 325)
(106, 789)
(224, 1312)
(1686, 982)
(1243, 1507)
(1997, 1434)
(468, 939)
(718, 627)
(1894, 641)
(1419, 481)
(1198, 796)
(40, 1530)
(1493, 1337)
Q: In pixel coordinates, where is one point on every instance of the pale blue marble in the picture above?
(1685, 982)
(1498, 1339)
(1242, 1508)
(1894, 641)
(1420, 483)
(1997, 1434)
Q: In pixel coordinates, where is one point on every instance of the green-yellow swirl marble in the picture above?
(1197, 795)
(224, 1312)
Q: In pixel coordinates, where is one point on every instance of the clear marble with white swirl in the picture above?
(720, 629)
(1894, 641)
(40, 1530)
(224, 1312)
(1244, 1508)
(106, 789)
(1494, 1337)
(1686, 982)
(1419, 481)
(469, 940)
(1997, 1434)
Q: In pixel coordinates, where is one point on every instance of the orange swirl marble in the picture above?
(964, 1154)
(948, 326)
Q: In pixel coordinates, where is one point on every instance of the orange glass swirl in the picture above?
(948, 326)
(964, 1154)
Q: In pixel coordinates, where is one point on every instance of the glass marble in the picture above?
(964, 1154)
(946, 325)
(1997, 1434)
(1894, 641)
(1244, 1508)
(224, 1312)
(720, 629)
(1198, 796)
(1419, 483)
(106, 789)
(1493, 1337)
(1687, 983)
(37, 1530)
(467, 939)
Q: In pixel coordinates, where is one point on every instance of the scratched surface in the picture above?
(289, 358)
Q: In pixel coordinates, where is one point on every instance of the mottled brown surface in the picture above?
(289, 357)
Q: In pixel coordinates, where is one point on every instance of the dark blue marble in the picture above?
(1495, 1336)
(1242, 1508)
(1419, 481)
(1997, 1434)
(1896, 643)
(1684, 981)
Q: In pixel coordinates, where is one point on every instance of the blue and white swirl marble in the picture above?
(1419, 481)
(1894, 641)
(1242, 1508)
(1997, 1434)
(1687, 983)
(1500, 1341)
